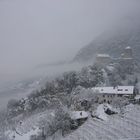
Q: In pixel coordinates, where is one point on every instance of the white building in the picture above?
(108, 94)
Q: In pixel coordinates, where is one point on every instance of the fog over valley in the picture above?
(35, 33)
(69, 69)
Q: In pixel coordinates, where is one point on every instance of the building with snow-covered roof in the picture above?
(126, 58)
(115, 90)
(128, 53)
(108, 94)
(76, 115)
(103, 59)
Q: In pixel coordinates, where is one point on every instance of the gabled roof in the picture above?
(114, 90)
(128, 47)
(103, 55)
(75, 115)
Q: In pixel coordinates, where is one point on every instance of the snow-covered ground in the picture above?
(119, 126)
(26, 136)
(29, 126)
(116, 127)
(100, 112)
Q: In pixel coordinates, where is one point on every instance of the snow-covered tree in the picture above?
(60, 122)
(90, 76)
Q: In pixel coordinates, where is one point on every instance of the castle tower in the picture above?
(127, 60)
(128, 52)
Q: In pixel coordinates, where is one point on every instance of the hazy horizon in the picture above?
(34, 32)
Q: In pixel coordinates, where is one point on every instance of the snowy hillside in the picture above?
(45, 113)
(113, 41)
(122, 126)
(30, 126)
(117, 127)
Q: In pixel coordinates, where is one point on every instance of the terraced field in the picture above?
(117, 127)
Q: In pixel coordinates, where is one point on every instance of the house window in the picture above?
(103, 95)
(126, 89)
(119, 95)
(104, 100)
(120, 89)
(84, 103)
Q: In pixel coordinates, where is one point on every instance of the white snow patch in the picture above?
(129, 107)
(79, 115)
(137, 97)
(15, 136)
(110, 68)
(100, 112)
(27, 135)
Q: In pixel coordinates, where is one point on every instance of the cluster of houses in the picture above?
(125, 58)
(109, 95)
(106, 95)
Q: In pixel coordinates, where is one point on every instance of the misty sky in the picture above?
(34, 32)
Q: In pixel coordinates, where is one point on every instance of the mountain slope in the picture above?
(118, 127)
(113, 41)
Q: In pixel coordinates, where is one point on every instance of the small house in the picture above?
(78, 117)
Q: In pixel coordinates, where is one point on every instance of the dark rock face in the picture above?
(113, 42)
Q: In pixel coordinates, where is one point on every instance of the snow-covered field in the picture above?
(116, 127)
(122, 126)
(29, 126)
